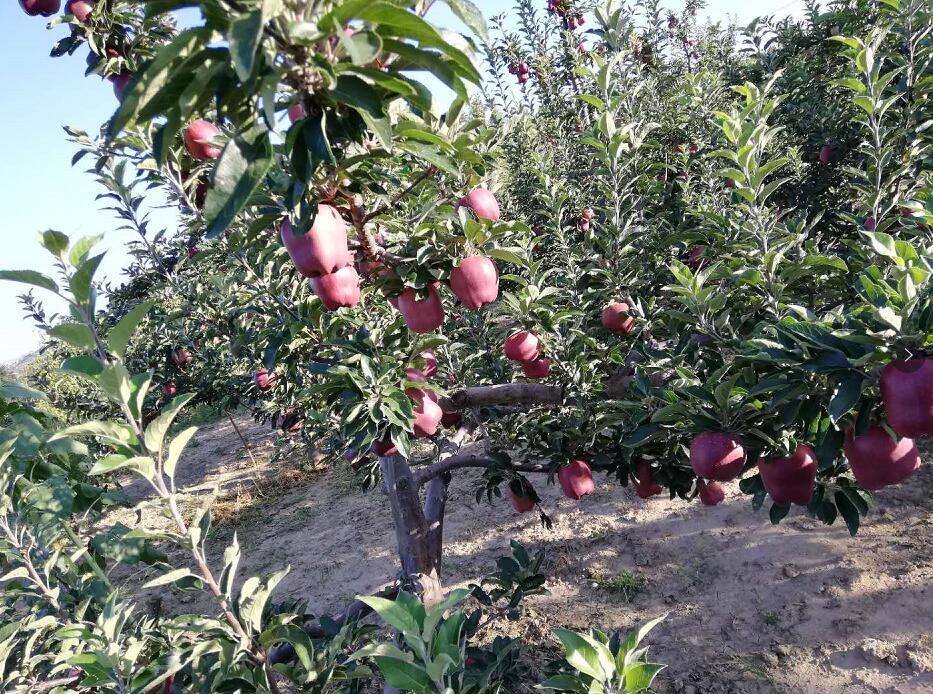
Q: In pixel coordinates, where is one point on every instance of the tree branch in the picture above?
(430, 171)
(456, 462)
(503, 394)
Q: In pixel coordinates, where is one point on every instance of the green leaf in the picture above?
(36, 279)
(582, 654)
(640, 676)
(304, 648)
(244, 35)
(82, 246)
(143, 465)
(17, 391)
(255, 594)
(144, 93)
(85, 365)
(566, 683)
(471, 16)
(169, 577)
(403, 675)
(362, 46)
(155, 432)
(392, 613)
(120, 333)
(778, 512)
(848, 511)
(845, 397)
(114, 380)
(175, 449)
(244, 162)
(74, 334)
(55, 242)
(80, 282)
(881, 243)
(509, 256)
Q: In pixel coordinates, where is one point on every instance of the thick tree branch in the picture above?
(503, 394)
(430, 472)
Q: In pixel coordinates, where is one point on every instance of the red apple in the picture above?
(907, 393)
(696, 260)
(451, 420)
(430, 363)
(383, 448)
(193, 252)
(645, 486)
(522, 495)
(616, 318)
(422, 315)
(263, 379)
(522, 346)
(120, 82)
(169, 389)
(483, 203)
(711, 493)
(181, 357)
(790, 480)
(475, 281)
(870, 223)
(576, 479)
(717, 455)
(46, 8)
(427, 412)
(291, 421)
(340, 288)
(296, 112)
(826, 153)
(323, 249)
(81, 9)
(587, 214)
(198, 140)
(538, 368)
(877, 460)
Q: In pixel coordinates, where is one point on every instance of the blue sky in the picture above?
(39, 189)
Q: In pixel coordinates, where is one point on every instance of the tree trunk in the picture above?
(419, 539)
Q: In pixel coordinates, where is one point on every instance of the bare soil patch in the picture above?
(752, 607)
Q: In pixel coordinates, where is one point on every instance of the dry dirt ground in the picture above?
(752, 607)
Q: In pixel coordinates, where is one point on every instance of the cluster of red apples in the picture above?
(322, 255)
(876, 458)
(180, 357)
(80, 9)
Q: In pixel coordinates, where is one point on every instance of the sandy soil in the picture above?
(752, 607)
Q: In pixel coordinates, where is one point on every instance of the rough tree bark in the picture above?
(419, 556)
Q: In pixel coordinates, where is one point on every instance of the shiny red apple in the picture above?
(576, 479)
(427, 412)
(907, 393)
(877, 460)
(483, 203)
(711, 493)
(537, 368)
(340, 288)
(616, 318)
(790, 480)
(717, 455)
(422, 315)
(323, 249)
(199, 137)
(645, 486)
(475, 281)
(522, 346)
